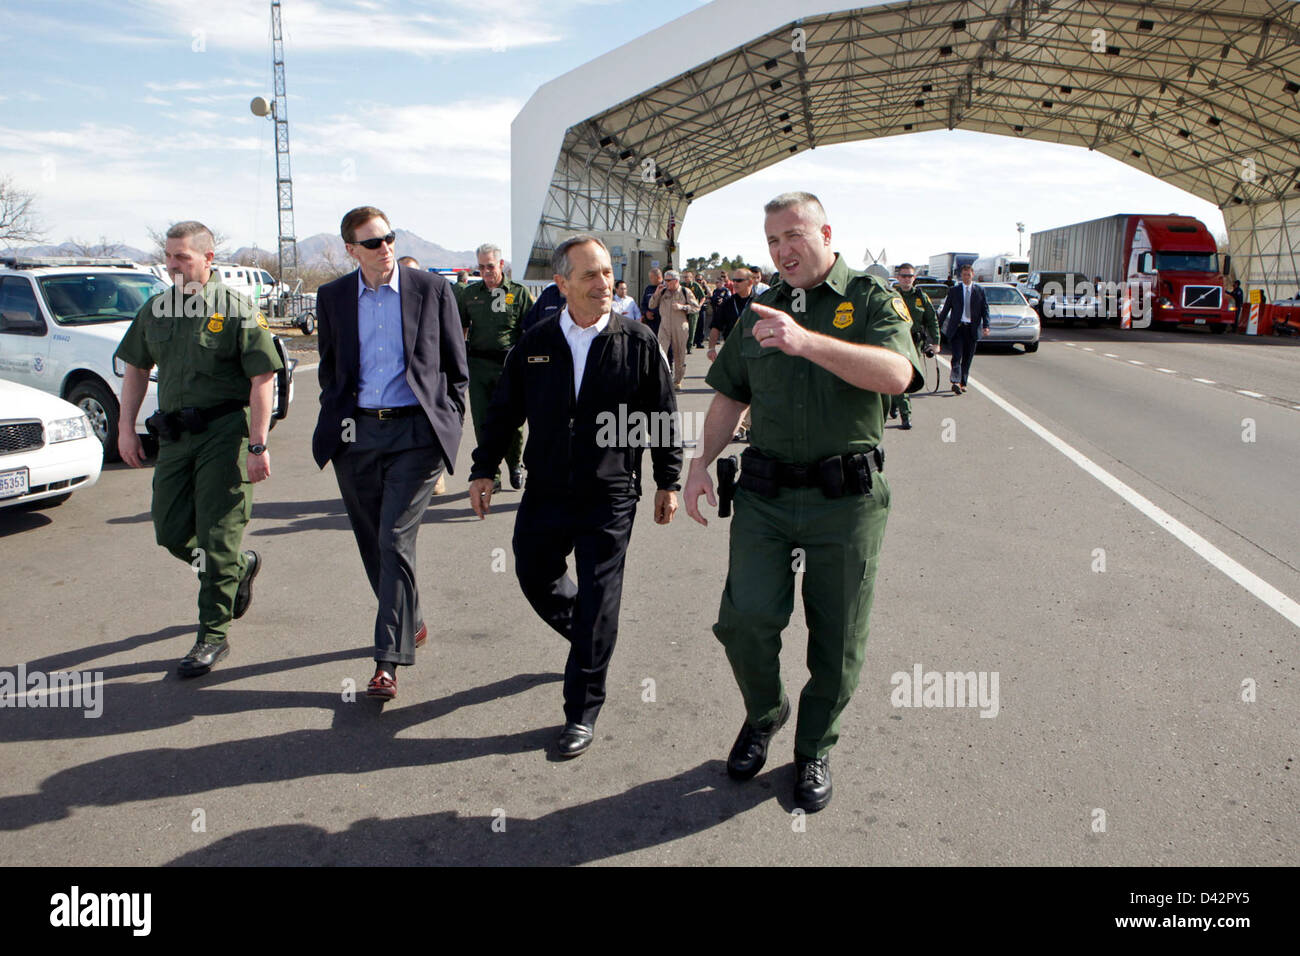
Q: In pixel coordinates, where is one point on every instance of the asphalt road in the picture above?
(1120, 735)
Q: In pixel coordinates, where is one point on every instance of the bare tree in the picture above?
(103, 249)
(18, 220)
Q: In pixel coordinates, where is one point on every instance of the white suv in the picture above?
(61, 320)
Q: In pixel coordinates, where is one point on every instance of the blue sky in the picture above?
(121, 116)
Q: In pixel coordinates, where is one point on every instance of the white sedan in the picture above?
(47, 448)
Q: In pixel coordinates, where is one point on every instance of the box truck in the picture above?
(947, 265)
(1003, 268)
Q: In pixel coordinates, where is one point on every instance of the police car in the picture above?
(61, 320)
(47, 448)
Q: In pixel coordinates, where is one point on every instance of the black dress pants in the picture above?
(386, 477)
(596, 530)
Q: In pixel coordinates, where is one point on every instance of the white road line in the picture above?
(1110, 355)
(1088, 348)
(1167, 371)
(1248, 393)
(1205, 381)
(1256, 585)
(1135, 362)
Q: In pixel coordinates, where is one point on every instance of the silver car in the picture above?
(1011, 318)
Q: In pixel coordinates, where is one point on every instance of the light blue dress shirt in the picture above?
(383, 355)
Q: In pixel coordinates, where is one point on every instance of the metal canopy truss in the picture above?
(1203, 94)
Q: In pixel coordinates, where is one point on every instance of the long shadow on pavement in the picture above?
(648, 815)
(360, 741)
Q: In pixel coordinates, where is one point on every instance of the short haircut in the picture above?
(904, 265)
(755, 270)
(560, 259)
(200, 236)
(793, 199)
(965, 267)
(359, 217)
(411, 261)
(489, 249)
(462, 274)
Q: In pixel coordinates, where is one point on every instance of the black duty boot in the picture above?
(812, 782)
(749, 752)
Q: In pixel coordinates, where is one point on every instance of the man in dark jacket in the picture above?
(965, 320)
(595, 391)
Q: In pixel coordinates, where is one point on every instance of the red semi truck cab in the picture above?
(1174, 274)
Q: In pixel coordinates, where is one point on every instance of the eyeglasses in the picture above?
(377, 241)
(742, 278)
(907, 275)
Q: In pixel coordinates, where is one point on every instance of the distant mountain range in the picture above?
(318, 250)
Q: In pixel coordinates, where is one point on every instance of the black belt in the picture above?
(169, 425)
(384, 414)
(494, 354)
(836, 476)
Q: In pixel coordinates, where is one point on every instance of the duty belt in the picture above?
(169, 425)
(836, 476)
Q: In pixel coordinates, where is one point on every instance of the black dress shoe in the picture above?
(956, 389)
(201, 657)
(893, 411)
(244, 595)
(517, 477)
(574, 739)
(907, 423)
(812, 782)
(749, 752)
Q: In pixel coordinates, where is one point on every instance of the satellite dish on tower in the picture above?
(260, 106)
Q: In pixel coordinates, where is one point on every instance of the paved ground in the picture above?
(1120, 692)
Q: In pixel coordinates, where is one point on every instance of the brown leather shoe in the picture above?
(421, 635)
(383, 685)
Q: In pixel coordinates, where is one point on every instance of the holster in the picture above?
(726, 484)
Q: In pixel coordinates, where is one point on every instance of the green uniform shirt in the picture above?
(206, 346)
(800, 412)
(922, 311)
(494, 316)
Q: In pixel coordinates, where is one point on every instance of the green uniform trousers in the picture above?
(903, 404)
(202, 499)
(838, 542)
(484, 373)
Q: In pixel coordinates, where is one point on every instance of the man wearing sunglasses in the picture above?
(393, 380)
(493, 313)
(925, 332)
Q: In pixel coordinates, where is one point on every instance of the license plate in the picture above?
(13, 483)
(1200, 322)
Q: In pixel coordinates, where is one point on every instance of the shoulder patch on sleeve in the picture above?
(901, 308)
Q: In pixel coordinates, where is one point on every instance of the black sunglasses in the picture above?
(377, 241)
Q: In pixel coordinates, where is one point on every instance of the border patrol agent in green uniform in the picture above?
(820, 354)
(925, 331)
(492, 312)
(211, 424)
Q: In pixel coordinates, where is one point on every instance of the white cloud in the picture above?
(358, 26)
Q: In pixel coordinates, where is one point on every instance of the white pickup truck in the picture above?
(61, 320)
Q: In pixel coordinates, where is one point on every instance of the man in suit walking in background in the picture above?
(965, 320)
(393, 381)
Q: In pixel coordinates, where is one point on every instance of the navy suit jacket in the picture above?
(952, 309)
(436, 369)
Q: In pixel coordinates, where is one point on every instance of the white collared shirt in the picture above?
(580, 340)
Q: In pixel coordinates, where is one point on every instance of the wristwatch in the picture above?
(256, 449)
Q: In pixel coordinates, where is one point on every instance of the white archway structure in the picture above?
(1203, 94)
